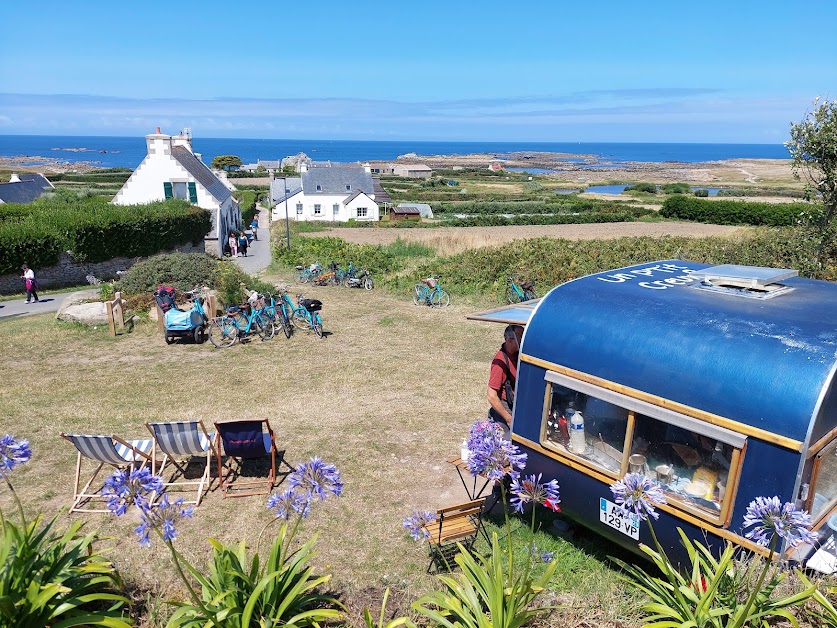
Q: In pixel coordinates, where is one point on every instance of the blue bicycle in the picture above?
(518, 291)
(429, 292)
(268, 308)
(237, 323)
(305, 314)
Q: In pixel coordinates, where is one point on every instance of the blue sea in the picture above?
(128, 152)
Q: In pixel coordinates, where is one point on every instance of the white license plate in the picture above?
(610, 514)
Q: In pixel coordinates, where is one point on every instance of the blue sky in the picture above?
(731, 71)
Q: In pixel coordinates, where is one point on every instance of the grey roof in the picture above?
(353, 196)
(30, 187)
(270, 164)
(293, 185)
(406, 209)
(335, 179)
(202, 174)
(418, 206)
(381, 195)
(414, 167)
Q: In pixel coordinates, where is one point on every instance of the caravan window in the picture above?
(691, 467)
(596, 434)
(696, 463)
(824, 482)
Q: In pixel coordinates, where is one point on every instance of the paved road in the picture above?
(258, 253)
(19, 307)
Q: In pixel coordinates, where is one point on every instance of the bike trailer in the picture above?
(312, 305)
(176, 320)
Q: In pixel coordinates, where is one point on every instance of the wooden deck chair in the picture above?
(241, 440)
(455, 524)
(105, 450)
(182, 440)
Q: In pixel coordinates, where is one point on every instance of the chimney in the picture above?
(367, 168)
(158, 143)
(184, 140)
(303, 167)
(14, 178)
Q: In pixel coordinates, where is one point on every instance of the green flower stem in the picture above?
(531, 545)
(17, 501)
(293, 533)
(175, 557)
(752, 597)
(508, 525)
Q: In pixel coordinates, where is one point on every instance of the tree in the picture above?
(813, 148)
(226, 162)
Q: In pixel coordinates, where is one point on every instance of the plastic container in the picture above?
(463, 452)
(578, 444)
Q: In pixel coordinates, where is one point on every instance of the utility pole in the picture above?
(287, 220)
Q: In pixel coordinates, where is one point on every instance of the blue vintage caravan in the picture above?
(715, 381)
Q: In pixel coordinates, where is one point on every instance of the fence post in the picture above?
(119, 310)
(161, 319)
(109, 312)
(212, 304)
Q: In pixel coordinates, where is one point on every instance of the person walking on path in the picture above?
(233, 245)
(31, 283)
(255, 227)
(242, 243)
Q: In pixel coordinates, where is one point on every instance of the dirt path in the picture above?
(450, 240)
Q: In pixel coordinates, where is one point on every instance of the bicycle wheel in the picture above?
(511, 294)
(440, 298)
(418, 294)
(528, 295)
(264, 327)
(284, 323)
(303, 276)
(301, 320)
(318, 325)
(223, 333)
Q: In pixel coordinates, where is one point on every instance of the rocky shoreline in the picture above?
(571, 168)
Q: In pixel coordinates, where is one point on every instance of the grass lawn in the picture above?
(387, 396)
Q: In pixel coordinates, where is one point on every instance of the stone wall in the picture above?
(68, 272)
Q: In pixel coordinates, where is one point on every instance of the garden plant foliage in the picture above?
(733, 212)
(93, 230)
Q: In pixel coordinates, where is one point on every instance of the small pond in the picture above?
(607, 189)
(712, 191)
(531, 170)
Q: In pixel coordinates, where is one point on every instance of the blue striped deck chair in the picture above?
(241, 440)
(105, 450)
(180, 441)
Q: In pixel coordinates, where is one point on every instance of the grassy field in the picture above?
(387, 396)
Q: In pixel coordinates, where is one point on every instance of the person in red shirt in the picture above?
(503, 378)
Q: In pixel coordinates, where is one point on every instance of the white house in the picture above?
(412, 171)
(172, 170)
(332, 193)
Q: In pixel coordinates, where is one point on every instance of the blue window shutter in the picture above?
(167, 190)
(193, 192)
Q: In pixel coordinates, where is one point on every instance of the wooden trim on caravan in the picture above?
(676, 512)
(714, 419)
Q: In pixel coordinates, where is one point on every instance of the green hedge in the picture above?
(559, 204)
(628, 215)
(93, 230)
(733, 212)
(247, 203)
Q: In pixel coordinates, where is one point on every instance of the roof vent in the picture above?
(753, 282)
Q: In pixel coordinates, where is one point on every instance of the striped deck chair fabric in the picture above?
(105, 450)
(179, 441)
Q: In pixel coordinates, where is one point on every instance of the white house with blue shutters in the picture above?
(172, 170)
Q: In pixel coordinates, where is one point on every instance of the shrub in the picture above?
(676, 188)
(184, 271)
(34, 244)
(702, 193)
(649, 188)
(733, 212)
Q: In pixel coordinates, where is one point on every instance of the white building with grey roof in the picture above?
(328, 192)
(172, 170)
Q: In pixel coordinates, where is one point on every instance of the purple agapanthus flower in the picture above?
(135, 489)
(163, 516)
(636, 493)
(768, 516)
(491, 456)
(12, 453)
(543, 556)
(483, 429)
(317, 479)
(530, 489)
(415, 524)
(285, 504)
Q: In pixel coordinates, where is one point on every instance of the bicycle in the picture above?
(305, 313)
(519, 292)
(236, 324)
(430, 292)
(267, 308)
(304, 274)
